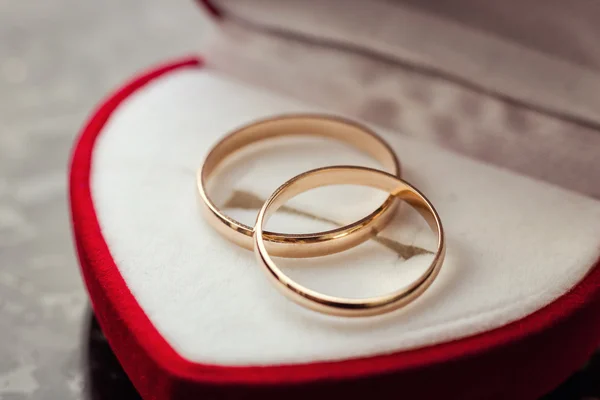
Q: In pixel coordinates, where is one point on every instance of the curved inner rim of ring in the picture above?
(336, 128)
(358, 176)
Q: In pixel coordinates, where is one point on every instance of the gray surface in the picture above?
(57, 60)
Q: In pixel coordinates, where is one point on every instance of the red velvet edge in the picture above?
(521, 360)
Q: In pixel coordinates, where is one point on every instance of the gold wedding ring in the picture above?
(360, 176)
(300, 245)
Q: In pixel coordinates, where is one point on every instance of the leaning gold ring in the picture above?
(360, 176)
(300, 245)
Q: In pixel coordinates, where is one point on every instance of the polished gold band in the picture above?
(359, 176)
(300, 245)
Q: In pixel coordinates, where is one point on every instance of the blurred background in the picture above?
(57, 61)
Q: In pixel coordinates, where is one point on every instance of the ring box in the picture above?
(188, 314)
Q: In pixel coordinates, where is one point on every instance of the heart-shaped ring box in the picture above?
(504, 146)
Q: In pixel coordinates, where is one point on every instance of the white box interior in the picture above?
(514, 244)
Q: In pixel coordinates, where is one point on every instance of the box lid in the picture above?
(534, 52)
(481, 79)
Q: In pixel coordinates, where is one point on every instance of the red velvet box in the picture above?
(516, 308)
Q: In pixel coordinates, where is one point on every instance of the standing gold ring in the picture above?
(359, 176)
(300, 245)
